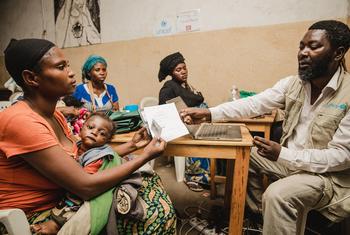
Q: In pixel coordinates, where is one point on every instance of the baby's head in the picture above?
(70, 100)
(97, 130)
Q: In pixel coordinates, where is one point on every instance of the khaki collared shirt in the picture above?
(295, 156)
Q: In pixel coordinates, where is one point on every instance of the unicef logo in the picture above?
(164, 28)
(163, 23)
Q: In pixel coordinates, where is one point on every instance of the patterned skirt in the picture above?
(160, 218)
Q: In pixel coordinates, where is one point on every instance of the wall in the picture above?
(251, 58)
(251, 45)
(137, 19)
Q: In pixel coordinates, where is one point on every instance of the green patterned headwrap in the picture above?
(89, 64)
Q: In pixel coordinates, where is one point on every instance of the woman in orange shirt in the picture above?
(36, 148)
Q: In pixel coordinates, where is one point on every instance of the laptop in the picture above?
(210, 131)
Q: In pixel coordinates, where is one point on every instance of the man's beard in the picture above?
(315, 70)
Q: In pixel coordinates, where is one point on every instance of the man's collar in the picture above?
(333, 83)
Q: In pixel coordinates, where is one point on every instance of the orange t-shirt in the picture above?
(21, 186)
(93, 167)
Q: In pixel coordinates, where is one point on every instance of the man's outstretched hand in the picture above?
(195, 115)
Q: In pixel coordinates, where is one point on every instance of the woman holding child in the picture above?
(37, 164)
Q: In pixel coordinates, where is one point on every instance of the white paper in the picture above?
(168, 118)
(188, 21)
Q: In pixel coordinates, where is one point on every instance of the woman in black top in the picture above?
(174, 65)
(197, 169)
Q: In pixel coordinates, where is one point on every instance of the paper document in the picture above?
(164, 121)
(156, 129)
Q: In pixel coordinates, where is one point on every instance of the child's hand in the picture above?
(141, 138)
(155, 148)
(267, 148)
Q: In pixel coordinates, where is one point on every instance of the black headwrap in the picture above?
(168, 64)
(24, 54)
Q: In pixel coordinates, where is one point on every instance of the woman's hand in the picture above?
(155, 148)
(195, 115)
(140, 138)
(267, 148)
(116, 106)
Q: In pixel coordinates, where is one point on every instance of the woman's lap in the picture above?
(160, 217)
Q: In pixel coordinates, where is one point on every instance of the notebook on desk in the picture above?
(210, 131)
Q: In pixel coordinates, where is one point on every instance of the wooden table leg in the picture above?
(228, 184)
(212, 178)
(267, 133)
(239, 191)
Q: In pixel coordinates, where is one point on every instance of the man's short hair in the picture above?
(338, 33)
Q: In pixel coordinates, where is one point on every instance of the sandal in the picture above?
(194, 186)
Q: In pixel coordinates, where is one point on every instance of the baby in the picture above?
(74, 112)
(95, 134)
(91, 151)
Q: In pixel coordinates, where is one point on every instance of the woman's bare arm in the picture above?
(59, 167)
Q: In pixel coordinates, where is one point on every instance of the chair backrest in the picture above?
(4, 105)
(148, 101)
(15, 222)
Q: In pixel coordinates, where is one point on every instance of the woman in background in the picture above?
(197, 169)
(174, 65)
(94, 92)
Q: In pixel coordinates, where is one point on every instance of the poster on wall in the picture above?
(188, 21)
(77, 22)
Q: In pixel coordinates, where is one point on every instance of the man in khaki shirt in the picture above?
(311, 164)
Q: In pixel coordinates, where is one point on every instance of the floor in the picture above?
(188, 203)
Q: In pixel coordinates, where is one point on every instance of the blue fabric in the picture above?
(83, 95)
(94, 154)
(89, 64)
(198, 169)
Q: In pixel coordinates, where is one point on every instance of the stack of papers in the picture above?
(164, 121)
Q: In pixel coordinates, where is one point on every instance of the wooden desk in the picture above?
(259, 124)
(238, 151)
